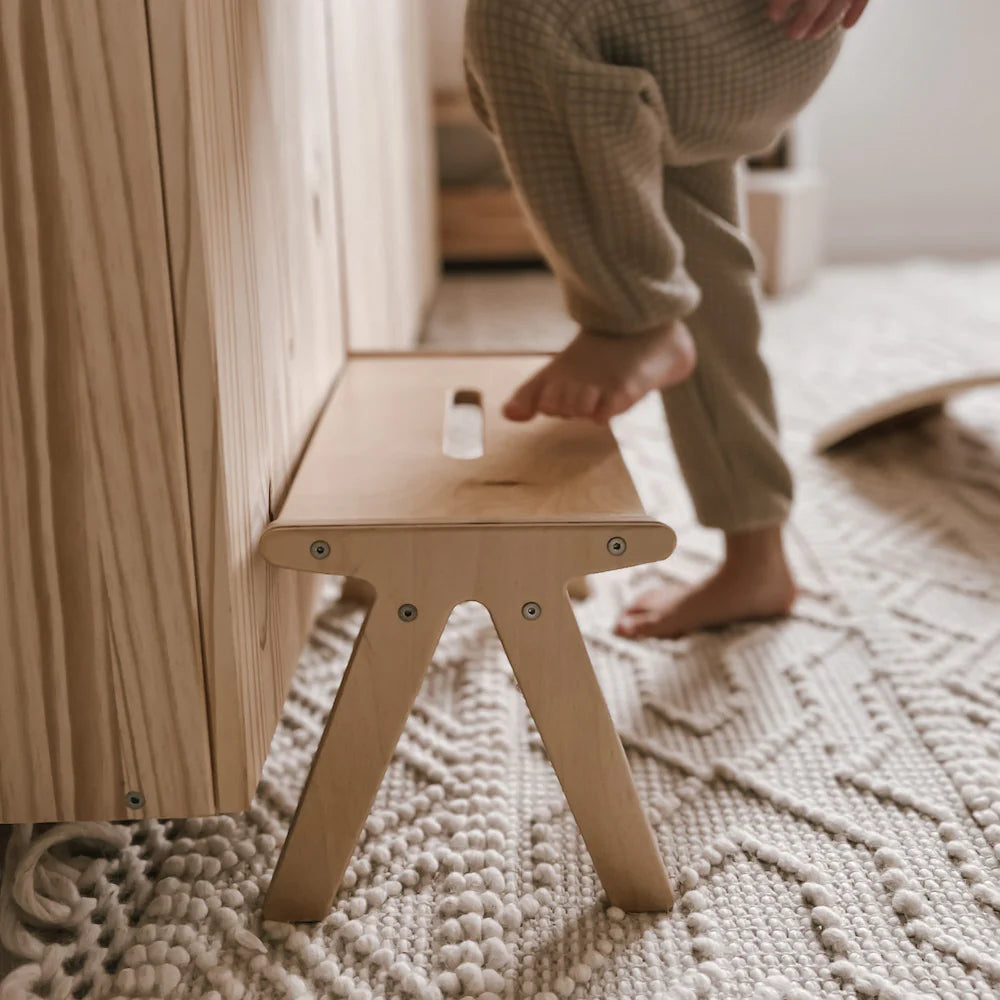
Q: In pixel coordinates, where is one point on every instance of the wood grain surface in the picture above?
(172, 319)
(246, 126)
(101, 685)
(377, 455)
(484, 224)
(387, 167)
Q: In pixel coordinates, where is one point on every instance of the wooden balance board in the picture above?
(900, 407)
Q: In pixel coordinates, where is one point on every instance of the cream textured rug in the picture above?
(826, 790)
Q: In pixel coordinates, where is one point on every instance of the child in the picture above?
(621, 123)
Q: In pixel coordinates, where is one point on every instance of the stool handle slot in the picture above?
(462, 437)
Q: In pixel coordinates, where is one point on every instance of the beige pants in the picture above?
(621, 123)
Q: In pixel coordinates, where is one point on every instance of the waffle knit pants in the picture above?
(621, 124)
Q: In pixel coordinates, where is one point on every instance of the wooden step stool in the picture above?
(377, 498)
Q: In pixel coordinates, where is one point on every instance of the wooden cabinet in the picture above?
(388, 167)
(176, 297)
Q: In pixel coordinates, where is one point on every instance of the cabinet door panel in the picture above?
(100, 657)
(246, 125)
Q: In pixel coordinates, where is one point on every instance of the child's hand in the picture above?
(814, 18)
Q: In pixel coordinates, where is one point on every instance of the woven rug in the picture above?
(825, 790)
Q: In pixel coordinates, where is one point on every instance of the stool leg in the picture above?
(375, 696)
(557, 679)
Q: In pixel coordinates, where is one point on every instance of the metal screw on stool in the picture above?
(319, 549)
(135, 800)
(407, 613)
(617, 546)
(531, 611)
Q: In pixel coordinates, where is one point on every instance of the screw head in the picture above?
(617, 546)
(319, 549)
(407, 613)
(532, 611)
(135, 800)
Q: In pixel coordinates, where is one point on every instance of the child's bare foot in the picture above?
(599, 376)
(753, 582)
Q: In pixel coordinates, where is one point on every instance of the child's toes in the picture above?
(523, 405)
(584, 401)
(631, 624)
(646, 615)
(624, 626)
(553, 400)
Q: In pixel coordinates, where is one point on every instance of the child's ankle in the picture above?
(760, 542)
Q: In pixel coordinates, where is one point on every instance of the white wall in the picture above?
(908, 132)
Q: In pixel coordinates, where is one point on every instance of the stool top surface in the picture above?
(378, 453)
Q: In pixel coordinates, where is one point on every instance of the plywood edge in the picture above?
(290, 545)
(432, 523)
(443, 352)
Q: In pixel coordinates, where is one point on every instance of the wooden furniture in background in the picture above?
(484, 224)
(377, 498)
(479, 217)
(784, 212)
(175, 301)
(481, 221)
(785, 220)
